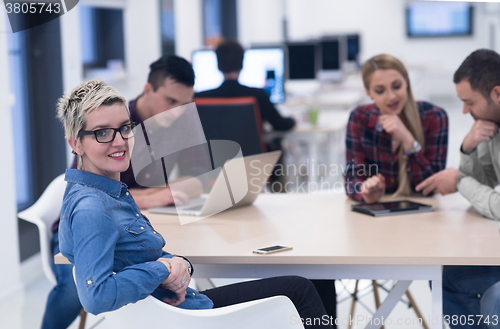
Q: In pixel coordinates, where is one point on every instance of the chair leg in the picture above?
(83, 319)
(376, 296)
(353, 303)
(416, 309)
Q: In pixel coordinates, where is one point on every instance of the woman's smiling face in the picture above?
(388, 89)
(105, 159)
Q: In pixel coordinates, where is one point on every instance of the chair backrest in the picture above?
(274, 312)
(43, 213)
(233, 118)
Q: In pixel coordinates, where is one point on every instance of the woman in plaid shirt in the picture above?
(395, 143)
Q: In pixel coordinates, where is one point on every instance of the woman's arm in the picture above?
(354, 158)
(95, 235)
(432, 158)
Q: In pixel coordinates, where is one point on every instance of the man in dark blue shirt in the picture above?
(230, 62)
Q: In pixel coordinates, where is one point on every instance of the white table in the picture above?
(331, 242)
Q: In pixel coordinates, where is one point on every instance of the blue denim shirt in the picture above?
(102, 232)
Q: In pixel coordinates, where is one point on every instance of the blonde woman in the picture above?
(117, 254)
(395, 143)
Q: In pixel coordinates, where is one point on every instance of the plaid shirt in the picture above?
(369, 151)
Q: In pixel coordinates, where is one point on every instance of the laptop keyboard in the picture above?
(194, 208)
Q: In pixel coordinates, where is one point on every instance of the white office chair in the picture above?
(274, 313)
(43, 213)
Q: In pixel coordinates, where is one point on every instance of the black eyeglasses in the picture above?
(107, 135)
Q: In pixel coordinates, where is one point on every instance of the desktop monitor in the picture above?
(333, 55)
(302, 60)
(262, 68)
(207, 75)
(353, 48)
(438, 19)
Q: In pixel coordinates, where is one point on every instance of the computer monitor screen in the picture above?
(262, 68)
(330, 55)
(353, 47)
(207, 75)
(265, 68)
(432, 19)
(301, 61)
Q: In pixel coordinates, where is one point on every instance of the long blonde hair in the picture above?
(410, 115)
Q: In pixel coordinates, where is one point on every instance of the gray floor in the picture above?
(24, 310)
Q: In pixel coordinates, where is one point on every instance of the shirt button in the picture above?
(392, 180)
(150, 131)
(137, 215)
(89, 281)
(127, 193)
(154, 232)
(142, 227)
(147, 176)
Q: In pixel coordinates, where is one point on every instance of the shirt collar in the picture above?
(374, 113)
(105, 184)
(132, 106)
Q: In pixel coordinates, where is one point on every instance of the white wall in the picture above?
(260, 21)
(142, 43)
(381, 24)
(188, 27)
(9, 243)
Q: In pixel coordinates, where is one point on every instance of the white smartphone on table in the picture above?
(270, 250)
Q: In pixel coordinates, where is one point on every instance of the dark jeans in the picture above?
(300, 291)
(328, 295)
(464, 297)
(63, 305)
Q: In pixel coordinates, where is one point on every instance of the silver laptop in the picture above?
(234, 187)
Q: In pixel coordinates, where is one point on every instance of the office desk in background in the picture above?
(331, 242)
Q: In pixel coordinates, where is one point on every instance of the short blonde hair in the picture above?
(72, 109)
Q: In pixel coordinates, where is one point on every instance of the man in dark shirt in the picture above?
(230, 62)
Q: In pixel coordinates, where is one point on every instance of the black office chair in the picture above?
(233, 118)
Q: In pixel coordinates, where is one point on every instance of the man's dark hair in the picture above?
(229, 56)
(170, 66)
(482, 70)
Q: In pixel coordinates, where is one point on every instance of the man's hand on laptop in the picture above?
(170, 197)
(158, 197)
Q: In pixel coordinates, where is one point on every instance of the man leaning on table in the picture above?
(469, 292)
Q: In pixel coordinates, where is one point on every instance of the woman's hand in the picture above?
(177, 281)
(373, 188)
(393, 125)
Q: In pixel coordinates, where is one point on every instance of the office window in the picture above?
(20, 116)
(40, 149)
(103, 45)
(167, 22)
(219, 21)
